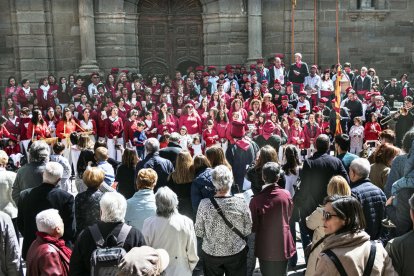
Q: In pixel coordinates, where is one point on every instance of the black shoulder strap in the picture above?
(226, 221)
(96, 235)
(371, 259)
(336, 262)
(123, 234)
(317, 244)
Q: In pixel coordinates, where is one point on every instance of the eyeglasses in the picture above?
(327, 215)
(190, 107)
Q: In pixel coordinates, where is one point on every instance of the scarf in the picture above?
(26, 90)
(243, 144)
(45, 89)
(59, 243)
(299, 64)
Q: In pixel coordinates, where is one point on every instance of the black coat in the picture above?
(33, 201)
(163, 167)
(275, 141)
(315, 175)
(80, 263)
(125, 178)
(255, 177)
(171, 152)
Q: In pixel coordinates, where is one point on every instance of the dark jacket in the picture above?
(202, 187)
(315, 175)
(125, 178)
(28, 176)
(373, 201)
(80, 263)
(401, 252)
(171, 152)
(275, 141)
(44, 259)
(239, 159)
(33, 201)
(271, 210)
(183, 192)
(87, 210)
(163, 167)
(87, 155)
(399, 211)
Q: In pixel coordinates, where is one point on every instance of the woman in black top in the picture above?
(126, 173)
(180, 182)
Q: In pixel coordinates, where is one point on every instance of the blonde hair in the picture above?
(338, 186)
(93, 177)
(101, 154)
(4, 158)
(184, 168)
(146, 179)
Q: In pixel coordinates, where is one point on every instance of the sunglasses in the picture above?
(327, 215)
(190, 107)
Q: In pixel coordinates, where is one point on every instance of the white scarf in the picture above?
(45, 90)
(26, 90)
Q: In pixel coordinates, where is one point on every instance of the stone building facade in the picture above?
(38, 37)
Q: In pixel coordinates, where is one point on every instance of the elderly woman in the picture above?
(344, 222)
(31, 174)
(87, 202)
(224, 247)
(48, 254)
(173, 232)
(336, 186)
(112, 209)
(142, 204)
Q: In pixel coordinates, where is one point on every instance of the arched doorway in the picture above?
(170, 34)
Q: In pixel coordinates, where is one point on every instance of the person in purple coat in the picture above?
(271, 210)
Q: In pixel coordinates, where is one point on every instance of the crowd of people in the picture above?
(208, 172)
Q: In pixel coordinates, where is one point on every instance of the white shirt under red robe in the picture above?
(114, 127)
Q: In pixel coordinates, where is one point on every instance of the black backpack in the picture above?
(104, 259)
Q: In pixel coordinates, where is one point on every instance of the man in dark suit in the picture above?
(173, 148)
(46, 196)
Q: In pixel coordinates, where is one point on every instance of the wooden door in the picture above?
(170, 35)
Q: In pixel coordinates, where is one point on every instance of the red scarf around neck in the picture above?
(59, 243)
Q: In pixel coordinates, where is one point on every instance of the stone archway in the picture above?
(170, 34)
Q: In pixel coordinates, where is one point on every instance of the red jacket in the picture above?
(44, 259)
(310, 132)
(24, 99)
(43, 103)
(271, 211)
(372, 131)
(295, 134)
(210, 137)
(221, 128)
(4, 133)
(39, 132)
(192, 122)
(63, 128)
(13, 128)
(130, 127)
(114, 127)
(24, 124)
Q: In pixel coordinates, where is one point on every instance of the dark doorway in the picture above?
(170, 35)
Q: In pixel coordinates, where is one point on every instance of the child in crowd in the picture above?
(356, 133)
(101, 157)
(139, 139)
(372, 129)
(210, 135)
(13, 151)
(251, 124)
(196, 146)
(57, 156)
(185, 139)
(164, 139)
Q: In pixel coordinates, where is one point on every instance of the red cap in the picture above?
(229, 70)
(323, 100)
(248, 80)
(252, 72)
(285, 98)
(222, 72)
(315, 109)
(288, 84)
(268, 127)
(279, 55)
(211, 67)
(349, 89)
(303, 109)
(368, 96)
(238, 129)
(260, 60)
(200, 68)
(125, 71)
(265, 82)
(205, 74)
(303, 93)
(114, 70)
(314, 66)
(276, 81)
(326, 71)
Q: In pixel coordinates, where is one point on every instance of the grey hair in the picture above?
(222, 178)
(39, 152)
(152, 145)
(360, 167)
(175, 137)
(166, 201)
(48, 220)
(53, 173)
(298, 54)
(411, 202)
(113, 207)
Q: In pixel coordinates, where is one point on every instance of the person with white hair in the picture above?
(48, 254)
(47, 195)
(297, 73)
(370, 196)
(362, 83)
(31, 174)
(153, 160)
(223, 222)
(173, 232)
(111, 226)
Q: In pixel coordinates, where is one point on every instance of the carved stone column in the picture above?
(254, 23)
(87, 37)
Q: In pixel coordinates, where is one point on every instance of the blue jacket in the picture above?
(201, 188)
(140, 207)
(373, 201)
(161, 166)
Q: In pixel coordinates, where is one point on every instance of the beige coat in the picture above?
(176, 235)
(7, 204)
(379, 174)
(315, 223)
(353, 251)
